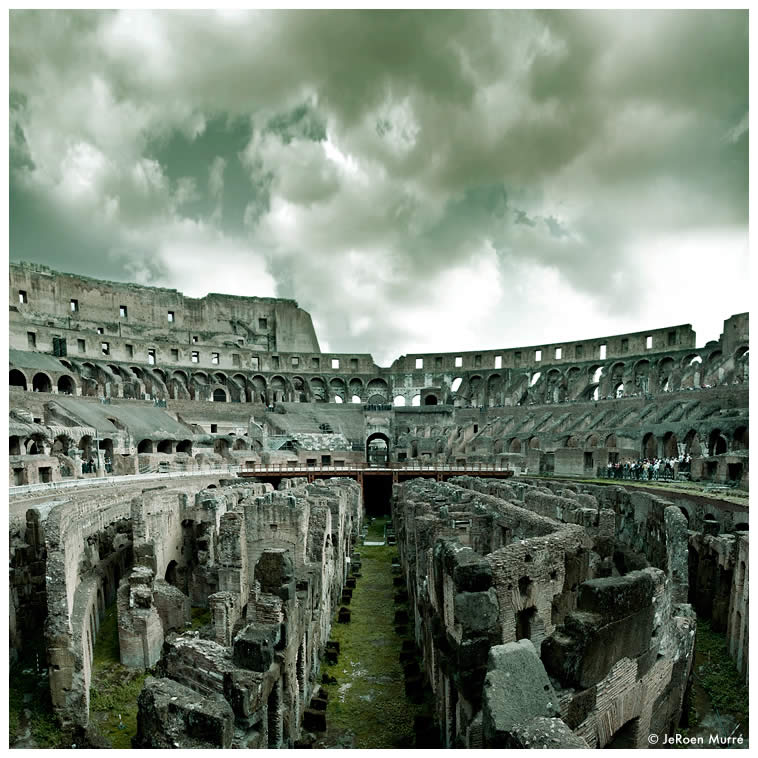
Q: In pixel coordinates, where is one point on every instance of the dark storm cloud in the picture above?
(374, 165)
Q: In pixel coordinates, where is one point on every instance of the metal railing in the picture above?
(261, 468)
(402, 466)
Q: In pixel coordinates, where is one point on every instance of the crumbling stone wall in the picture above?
(280, 560)
(544, 595)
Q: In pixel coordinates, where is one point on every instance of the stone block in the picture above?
(314, 721)
(516, 690)
(171, 715)
(476, 612)
(254, 646)
(616, 597)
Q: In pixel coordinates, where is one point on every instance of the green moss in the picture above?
(718, 674)
(115, 688)
(201, 617)
(369, 699)
(30, 711)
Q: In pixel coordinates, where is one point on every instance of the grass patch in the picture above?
(30, 710)
(369, 699)
(201, 617)
(718, 674)
(114, 688)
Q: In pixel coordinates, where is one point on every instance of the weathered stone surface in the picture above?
(476, 611)
(254, 646)
(516, 690)
(545, 733)
(173, 716)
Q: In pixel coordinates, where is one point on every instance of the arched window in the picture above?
(219, 395)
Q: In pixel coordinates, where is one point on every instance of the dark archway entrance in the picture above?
(17, 379)
(377, 492)
(378, 450)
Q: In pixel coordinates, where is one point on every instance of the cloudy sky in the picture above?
(418, 181)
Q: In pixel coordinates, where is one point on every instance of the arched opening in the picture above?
(665, 369)
(259, 389)
(692, 446)
(185, 446)
(572, 442)
(35, 445)
(592, 441)
(534, 443)
(377, 387)
(378, 450)
(106, 446)
(66, 385)
(416, 400)
(670, 445)
(278, 387)
(356, 389)
(716, 443)
(355, 399)
(515, 446)
(41, 383)
(626, 737)
(17, 379)
(318, 390)
(165, 446)
(62, 444)
(619, 390)
(338, 389)
(14, 445)
(221, 447)
(740, 439)
(610, 441)
(430, 400)
(240, 444)
(145, 446)
(171, 574)
(649, 446)
(456, 385)
(219, 395)
(398, 401)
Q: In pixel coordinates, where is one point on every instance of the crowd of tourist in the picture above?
(649, 469)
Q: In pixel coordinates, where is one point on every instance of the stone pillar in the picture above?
(140, 631)
(232, 555)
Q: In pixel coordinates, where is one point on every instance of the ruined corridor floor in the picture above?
(368, 707)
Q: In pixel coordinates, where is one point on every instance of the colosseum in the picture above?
(210, 517)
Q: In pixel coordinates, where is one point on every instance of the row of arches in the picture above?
(42, 382)
(596, 381)
(668, 445)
